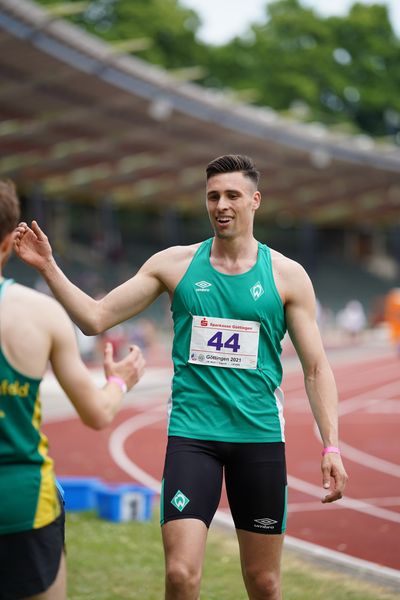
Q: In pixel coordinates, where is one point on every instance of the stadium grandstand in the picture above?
(108, 153)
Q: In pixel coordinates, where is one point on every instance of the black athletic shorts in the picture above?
(255, 479)
(29, 560)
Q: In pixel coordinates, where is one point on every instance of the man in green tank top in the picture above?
(35, 331)
(232, 300)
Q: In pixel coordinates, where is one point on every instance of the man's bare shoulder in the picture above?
(178, 253)
(25, 297)
(24, 292)
(285, 266)
(170, 265)
(31, 324)
(170, 259)
(290, 277)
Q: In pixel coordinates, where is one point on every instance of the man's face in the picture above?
(232, 199)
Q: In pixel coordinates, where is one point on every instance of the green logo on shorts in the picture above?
(180, 500)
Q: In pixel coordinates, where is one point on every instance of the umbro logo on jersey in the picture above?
(265, 523)
(257, 291)
(203, 286)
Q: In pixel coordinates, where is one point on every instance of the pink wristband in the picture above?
(330, 449)
(119, 381)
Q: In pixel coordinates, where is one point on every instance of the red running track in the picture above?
(365, 524)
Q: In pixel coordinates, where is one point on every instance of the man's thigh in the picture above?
(256, 486)
(192, 480)
(58, 589)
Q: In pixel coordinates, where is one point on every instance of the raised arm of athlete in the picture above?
(95, 407)
(92, 316)
(300, 310)
(36, 330)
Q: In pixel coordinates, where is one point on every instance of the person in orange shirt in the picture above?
(392, 316)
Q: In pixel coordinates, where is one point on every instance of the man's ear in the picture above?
(256, 200)
(7, 243)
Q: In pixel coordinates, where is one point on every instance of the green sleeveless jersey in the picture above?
(28, 495)
(226, 352)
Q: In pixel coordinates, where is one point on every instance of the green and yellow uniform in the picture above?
(28, 494)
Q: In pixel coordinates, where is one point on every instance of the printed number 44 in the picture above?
(232, 343)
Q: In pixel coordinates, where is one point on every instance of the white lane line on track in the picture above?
(296, 398)
(351, 383)
(367, 399)
(117, 441)
(345, 560)
(313, 506)
(372, 396)
(369, 461)
(116, 446)
(126, 429)
(352, 503)
(320, 552)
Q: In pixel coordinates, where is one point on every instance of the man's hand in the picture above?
(332, 468)
(32, 246)
(130, 368)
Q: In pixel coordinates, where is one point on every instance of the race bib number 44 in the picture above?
(224, 342)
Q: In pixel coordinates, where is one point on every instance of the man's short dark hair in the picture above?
(9, 208)
(231, 163)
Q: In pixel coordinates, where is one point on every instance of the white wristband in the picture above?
(119, 381)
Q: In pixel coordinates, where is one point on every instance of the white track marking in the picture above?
(151, 390)
(313, 506)
(386, 407)
(368, 378)
(346, 502)
(320, 552)
(363, 401)
(126, 429)
(222, 517)
(345, 560)
(369, 461)
(369, 397)
(117, 441)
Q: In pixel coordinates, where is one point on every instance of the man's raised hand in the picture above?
(32, 245)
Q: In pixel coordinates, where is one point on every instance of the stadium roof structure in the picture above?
(83, 122)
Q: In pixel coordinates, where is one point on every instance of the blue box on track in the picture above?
(125, 502)
(80, 492)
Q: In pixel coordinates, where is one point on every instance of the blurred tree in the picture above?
(170, 28)
(368, 84)
(338, 70)
(343, 71)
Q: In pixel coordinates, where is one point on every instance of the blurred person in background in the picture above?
(392, 316)
(35, 330)
(352, 320)
(143, 332)
(232, 300)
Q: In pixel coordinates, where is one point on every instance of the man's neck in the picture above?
(234, 248)
(234, 256)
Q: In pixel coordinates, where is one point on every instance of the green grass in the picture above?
(118, 561)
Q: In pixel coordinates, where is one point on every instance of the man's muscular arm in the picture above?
(300, 308)
(92, 316)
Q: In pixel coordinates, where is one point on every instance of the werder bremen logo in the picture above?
(257, 291)
(180, 500)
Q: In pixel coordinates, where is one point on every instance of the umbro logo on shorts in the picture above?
(203, 286)
(265, 523)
